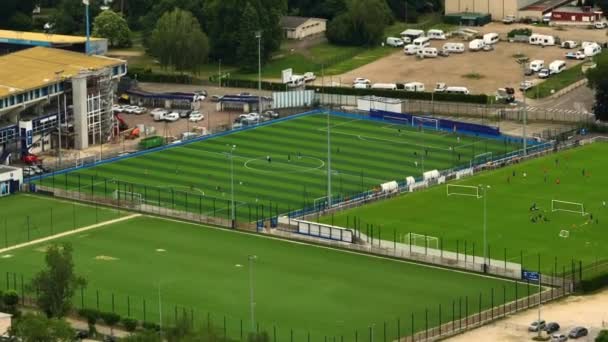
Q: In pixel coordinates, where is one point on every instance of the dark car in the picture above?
(551, 327)
(578, 332)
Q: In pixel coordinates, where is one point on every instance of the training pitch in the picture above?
(281, 166)
(309, 289)
(524, 217)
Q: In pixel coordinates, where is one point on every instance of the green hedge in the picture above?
(595, 277)
(147, 75)
(252, 84)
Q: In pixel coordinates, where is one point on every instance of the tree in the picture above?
(10, 300)
(69, 16)
(38, 328)
(157, 9)
(598, 80)
(363, 24)
(111, 319)
(108, 24)
(16, 14)
(57, 284)
(178, 41)
(130, 324)
(247, 51)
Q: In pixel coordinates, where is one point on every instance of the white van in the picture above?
(435, 34)
(427, 52)
(412, 34)
(413, 86)
(457, 90)
(537, 64)
(592, 50)
(422, 42)
(476, 44)
(557, 66)
(410, 49)
(394, 42)
(386, 86)
(490, 38)
(453, 47)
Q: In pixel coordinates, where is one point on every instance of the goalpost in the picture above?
(463, 190)
(571, 207)
(421, 240)
(129, 196)
(422, 121)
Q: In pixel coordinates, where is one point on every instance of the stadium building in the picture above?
(12, 41)
(499, 9)
(41, 86)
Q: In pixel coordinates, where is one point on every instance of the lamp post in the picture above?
(524, 62)
(232, 208)
(88, 29)
(258, 35)
(252, 259)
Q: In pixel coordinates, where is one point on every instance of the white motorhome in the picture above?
(541, 39)
(490, 38)
(412, 34)
(435, 34)
(453, 47)
(557, 66)
(413, 86)
(410, 49)
(592, 50)
(457, 90)
(585, 44)
(537, 64)
(394, 42)
(476, 44)
(422, 42)
(427, 52)
(387, 86)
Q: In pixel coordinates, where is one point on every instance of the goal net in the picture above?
(463, 190)
(128, 196)
(421, 240)
(419, 121)
(570, 207)
(564, 233)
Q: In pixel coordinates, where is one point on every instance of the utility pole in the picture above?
(88, 29)
(524, 62)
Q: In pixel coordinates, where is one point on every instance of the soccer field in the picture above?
(280, 166)
(514, 228)
(298, 287)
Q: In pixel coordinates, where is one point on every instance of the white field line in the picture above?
(71, 232)
(324, 129)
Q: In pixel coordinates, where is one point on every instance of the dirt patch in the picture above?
(588, 311)
(105, 258)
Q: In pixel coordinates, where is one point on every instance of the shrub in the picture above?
(129, 323)
(150, 326)
(602, 337)
(10, 298)
(519, 32)
(91, 315)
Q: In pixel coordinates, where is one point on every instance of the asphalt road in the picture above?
(580, 100)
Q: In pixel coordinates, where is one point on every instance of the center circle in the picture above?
(284, 165)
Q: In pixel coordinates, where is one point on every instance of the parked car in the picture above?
(45, 169)
(544, 73)
(569, 44)
(216, 98)
(155, 111)
(117, 109)
(272, 114)
(184, 113)
(443, 53)
(361, 80)
(196, 116)
(578, 332)
(537, 325)
(509, 19)
(36, 169)
(600, 25)
(559, 338)
(139, 110)
(171, 117)
(551, 327)
(579, 55)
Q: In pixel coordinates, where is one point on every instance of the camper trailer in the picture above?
(537, 64)
(541, 39)
(361, 85)
(422, 42)
(592, 50)
(412, 34)
(585, 44)
(410, 49)
(490, 38)
(435, 34)
(394, 42)
(453, 47)
(427, 52)
(414, 86)
(476, 44)
(557, 66)
(386, 86)
(457, 90)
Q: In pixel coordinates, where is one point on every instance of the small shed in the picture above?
(468, 19)
(10, 179)
(302, 27)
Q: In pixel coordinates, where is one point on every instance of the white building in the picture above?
(302, 27)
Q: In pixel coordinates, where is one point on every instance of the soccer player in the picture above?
(556, 162)
(558, 181)
(289, 157)
(268, 159)
(583, 172)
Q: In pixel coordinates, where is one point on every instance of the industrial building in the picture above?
(499, 9)
(40, 87)
(12, 41)
(576, 15)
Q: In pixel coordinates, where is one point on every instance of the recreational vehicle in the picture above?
(457, 90)
(476, 44)
(541, 39)
(435, 34)
(490, 38)
(386, 86)
(422, 42)
(427, 52)
(453, 47)
(413, 86)
(585, 44)
(412, 34)
(410, 49)
(394, 42)
(557, 66)
(537, 64)
(361, 85)
(592, 50)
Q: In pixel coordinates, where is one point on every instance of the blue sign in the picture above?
(530, 275)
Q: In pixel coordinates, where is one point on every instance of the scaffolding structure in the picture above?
(101, 123)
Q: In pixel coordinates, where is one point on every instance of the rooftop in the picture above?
(574, 9)
(545, 5)
(33, 68)
(295, 22)
(51, 39)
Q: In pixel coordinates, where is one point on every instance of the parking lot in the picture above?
(480, 72)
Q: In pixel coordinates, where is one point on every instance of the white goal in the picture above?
(463, 190)
(421, 240)
(422, 122)
(128, 196)
(570, 207)
(564, 233)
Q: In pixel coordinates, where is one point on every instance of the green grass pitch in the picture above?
(25, 218)
(365, 154)
(513, 191)
(297, 286)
